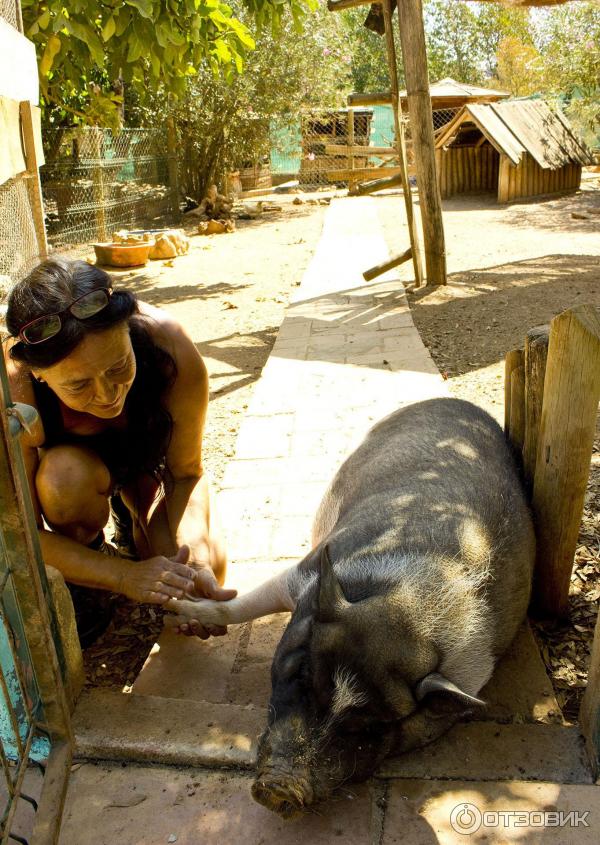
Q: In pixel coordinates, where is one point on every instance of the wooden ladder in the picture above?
(416, 70)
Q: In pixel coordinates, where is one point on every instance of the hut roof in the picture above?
(521, 126)
(449, 89)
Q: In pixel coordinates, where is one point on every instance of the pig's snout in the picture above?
(285, 791)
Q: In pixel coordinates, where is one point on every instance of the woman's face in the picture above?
(95, 378)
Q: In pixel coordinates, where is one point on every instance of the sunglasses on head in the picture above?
(82, 308)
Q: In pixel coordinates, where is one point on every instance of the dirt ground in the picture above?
(510, 268)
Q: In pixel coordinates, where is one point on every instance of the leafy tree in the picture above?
(518, 67)
(87, 49)
(368, 55)
(453, 41)
(284, 74)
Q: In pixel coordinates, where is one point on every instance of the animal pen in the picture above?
(516, 150)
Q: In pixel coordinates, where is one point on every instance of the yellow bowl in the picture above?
(122, 255)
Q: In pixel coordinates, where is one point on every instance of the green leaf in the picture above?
(123, 20)
(155, 64)
(136, 48)
(51, 51)
(144, 7)
(109, 28)
(44, 19)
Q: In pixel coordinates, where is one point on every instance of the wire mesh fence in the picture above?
(10, 11)
(18, 242)
(96, 181)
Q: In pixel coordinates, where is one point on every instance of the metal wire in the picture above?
(97, 180)
(18, 242)
(9, 11)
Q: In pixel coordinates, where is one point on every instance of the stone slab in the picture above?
(253, 672)
(520, 689)
(115, 726)
(111, 805)
(489, 751)
(451, 812)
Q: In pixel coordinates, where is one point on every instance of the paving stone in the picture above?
(291, 537)
(110, 805)
(520, 689)
(264, 437)
(301, 499)
(451, 812)
(252, 682)
(189, 668)
(144, 728)
(489, 751)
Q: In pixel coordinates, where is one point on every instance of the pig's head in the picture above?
(348, 672)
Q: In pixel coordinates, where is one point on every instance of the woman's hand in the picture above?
(205, 586)
(158, 579)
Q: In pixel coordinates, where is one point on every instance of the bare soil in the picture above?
(510, 268)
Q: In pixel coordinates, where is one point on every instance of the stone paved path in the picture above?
(346, 355)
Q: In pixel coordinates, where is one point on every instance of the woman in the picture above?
(121, 393)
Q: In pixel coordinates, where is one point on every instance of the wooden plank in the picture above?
(528, 125)
(412, 37)
(46, 829)
(343, 174)
(536, 353)
(379, 269)
(340, 5)
(357, 150)
(478, 169)
(516, 434)
(12, 156)
(589, 716)
(566, 438)
(31, 127)
(379, 185)
(515, 358)
(380, 99)
(503, 177)
(18, 66)
(496, 131)
(400, 142)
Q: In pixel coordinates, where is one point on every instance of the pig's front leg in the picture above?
(273, 596)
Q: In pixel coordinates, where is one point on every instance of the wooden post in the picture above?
(412, 36)
(517, 409)
(536, 353)
(400, 143)
(566, 437)
(590, 708)
(350, 138)
(515, 358)
(379, 269)
(98, 177)
(503, 177)
(33, 159)
(173, 170)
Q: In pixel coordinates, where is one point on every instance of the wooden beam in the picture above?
(34, 158)
(382, 99)
(379, 269)
(400, 140)
(12, 158)
(379, 185)
(344, 174)
(412, 36)
(46, 829)
(536, 353)
(357, 150)
(566, 438)
(340, 5)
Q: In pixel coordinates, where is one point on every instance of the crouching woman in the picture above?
(122, 395)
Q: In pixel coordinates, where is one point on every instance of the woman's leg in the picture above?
(73, 487)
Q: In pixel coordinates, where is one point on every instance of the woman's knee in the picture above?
(73, 486)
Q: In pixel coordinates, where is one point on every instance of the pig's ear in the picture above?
(331, 596)
(443, 696)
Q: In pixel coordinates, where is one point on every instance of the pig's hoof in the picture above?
(287, 798)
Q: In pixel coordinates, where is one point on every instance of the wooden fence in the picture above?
(552, 390)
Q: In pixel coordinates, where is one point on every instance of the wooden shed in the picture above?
(516, 149)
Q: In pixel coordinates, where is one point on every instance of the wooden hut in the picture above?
(448, 96)
(516, 149)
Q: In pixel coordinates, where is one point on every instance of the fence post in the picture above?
(566, 438)
(513, 360)
(32, 140)
(98, 177)
(173, 173)
(536, 353)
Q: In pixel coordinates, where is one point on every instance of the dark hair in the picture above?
(50, 288)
